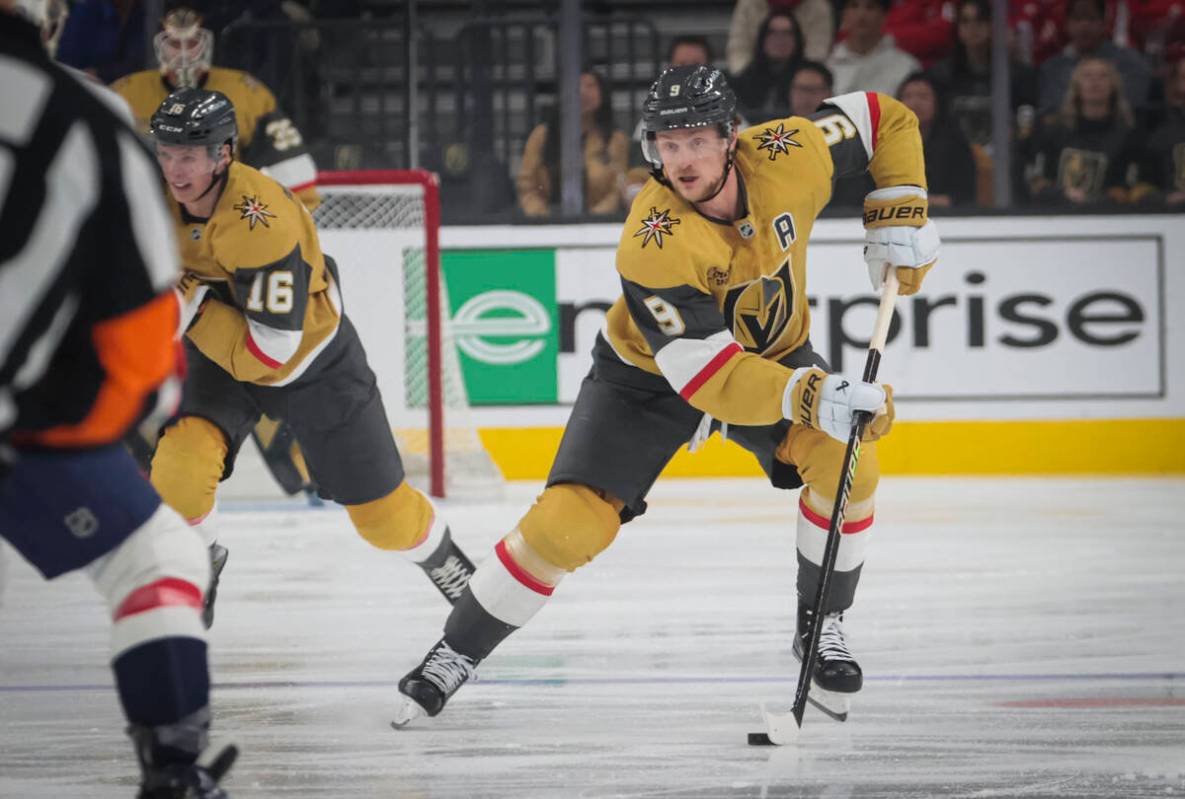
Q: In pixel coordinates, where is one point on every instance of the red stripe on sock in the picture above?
(825, 523)
(163, 593)
(519, 573)
(714, 366)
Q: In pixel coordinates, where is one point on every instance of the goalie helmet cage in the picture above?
(382, 227)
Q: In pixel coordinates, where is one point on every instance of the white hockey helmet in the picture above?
(184, 49)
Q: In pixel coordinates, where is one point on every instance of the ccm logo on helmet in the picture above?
(900, 212)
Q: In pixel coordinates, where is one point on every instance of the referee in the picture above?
(88, 319)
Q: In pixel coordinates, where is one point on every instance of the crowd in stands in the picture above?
(1097, 90)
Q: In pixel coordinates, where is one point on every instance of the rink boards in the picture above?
(1040, 344)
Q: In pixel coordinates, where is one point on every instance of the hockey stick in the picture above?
(779, 730)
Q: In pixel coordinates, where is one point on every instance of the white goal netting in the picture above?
(376, 226)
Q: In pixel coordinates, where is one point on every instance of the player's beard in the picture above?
(707, 192)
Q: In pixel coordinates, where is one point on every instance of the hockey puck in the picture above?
(759, 739)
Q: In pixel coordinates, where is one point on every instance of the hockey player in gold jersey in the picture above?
(265, 332)
(267, 138)
(712, 333)
(268, 141)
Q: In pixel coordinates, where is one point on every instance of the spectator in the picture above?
(1166, 147)
(1040, 27)
(1086, 27)
(868, 60)
(104, 38)
(1089, 151)
(814, 17)
(965, 79)
(921, 28)
(763, 86)
(950, 167)
(1155, 26)
(605, 156)
(809, 87)
(689, 49)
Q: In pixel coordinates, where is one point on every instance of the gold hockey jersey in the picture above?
(713, 305)
(275, 306)
(268, 140)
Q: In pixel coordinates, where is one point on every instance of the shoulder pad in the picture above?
(778, 138)
(257, 220)
(653, 250)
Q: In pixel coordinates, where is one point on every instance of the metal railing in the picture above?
(366, 95)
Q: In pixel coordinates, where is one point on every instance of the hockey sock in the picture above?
(501, 597)
(812, 541)
(153, 585)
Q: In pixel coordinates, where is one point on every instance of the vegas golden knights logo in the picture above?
(1082, 169)
(758, 311)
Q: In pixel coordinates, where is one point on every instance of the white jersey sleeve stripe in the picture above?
(684, 361)
(273, 347)
(865, 112)
(294, 173)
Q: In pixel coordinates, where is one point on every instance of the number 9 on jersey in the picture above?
(667, 316)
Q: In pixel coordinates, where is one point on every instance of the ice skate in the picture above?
(424, 690)
(837, 675)
(177, 780)
(449, 570)
(218, 556)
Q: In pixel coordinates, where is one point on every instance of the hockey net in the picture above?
(381, 228)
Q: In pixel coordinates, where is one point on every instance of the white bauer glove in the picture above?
(897, 233)
(828, 402)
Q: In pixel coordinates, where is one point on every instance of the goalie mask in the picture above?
(184, 49)
(694, 96)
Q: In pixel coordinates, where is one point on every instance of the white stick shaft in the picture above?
(884, 314)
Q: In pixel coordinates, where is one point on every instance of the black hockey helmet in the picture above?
(195, 116)
(692, 96)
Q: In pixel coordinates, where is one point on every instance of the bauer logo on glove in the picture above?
(829, 403)
(898, 234)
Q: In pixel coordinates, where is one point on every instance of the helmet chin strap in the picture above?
(215, 179)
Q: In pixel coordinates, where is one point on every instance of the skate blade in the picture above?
(832, 704)
(407, 710)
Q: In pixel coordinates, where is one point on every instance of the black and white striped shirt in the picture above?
(86, 246)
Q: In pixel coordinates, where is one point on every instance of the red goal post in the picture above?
(382, 227)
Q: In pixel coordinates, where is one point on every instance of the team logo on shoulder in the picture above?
(657, 225)
(759, 311)
(253, 211)
(777, 141)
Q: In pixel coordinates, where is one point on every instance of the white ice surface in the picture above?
(1020, 637)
